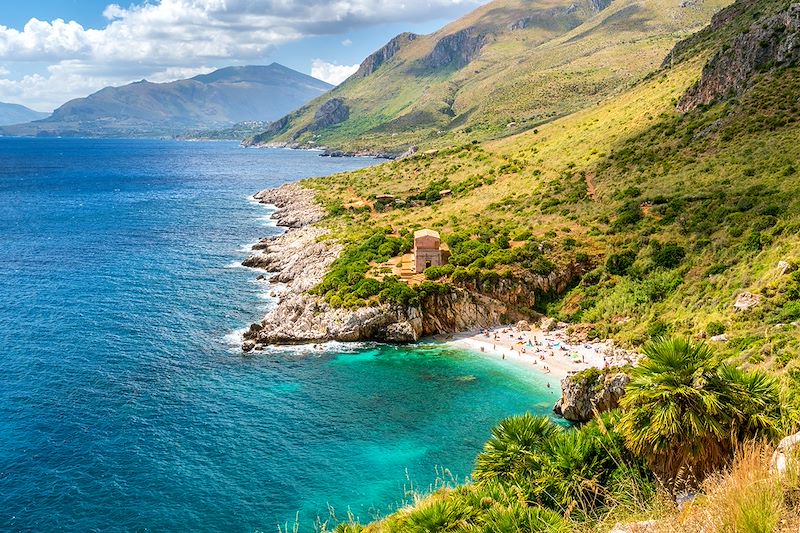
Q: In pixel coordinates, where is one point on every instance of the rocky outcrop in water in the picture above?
(767, 45)
(296, 205)
(304, 318)
(589, 391)
(384, 54)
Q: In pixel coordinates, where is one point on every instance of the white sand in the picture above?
(548, 352)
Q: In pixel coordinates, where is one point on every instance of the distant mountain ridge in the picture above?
(216, 100)
(15, 113)
(508, 66)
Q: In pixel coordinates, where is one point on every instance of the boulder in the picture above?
(720, 338)
(411, 152)
(785, 267)
(591, 390)
(746, 301)
(788, 448)
(547, 324)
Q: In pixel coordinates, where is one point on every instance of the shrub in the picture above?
(437, 272)
(668, 255)
(618, 264)
(790, 311)
(629, 215)
(684, 410)
(657, 328)
(715, 328)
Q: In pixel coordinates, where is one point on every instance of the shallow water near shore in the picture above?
(125, 403)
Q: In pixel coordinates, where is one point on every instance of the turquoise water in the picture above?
(125, 403)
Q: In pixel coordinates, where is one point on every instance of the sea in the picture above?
(125, 401)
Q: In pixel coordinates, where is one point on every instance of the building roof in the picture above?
(426, 233)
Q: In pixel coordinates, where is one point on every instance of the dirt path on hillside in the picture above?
(590, 186)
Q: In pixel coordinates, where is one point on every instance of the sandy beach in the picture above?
(548, 352)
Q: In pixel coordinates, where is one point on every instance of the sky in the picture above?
(52, 51)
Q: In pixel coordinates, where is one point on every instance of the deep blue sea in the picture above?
(125, 403)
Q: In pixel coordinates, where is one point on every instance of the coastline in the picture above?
(299, 258)
(323, 150)
(550, 353)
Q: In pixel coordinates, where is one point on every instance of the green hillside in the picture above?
(677, 199)
(671, 215)
(507, 67)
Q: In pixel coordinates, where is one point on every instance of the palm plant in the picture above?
(516, 450)
(684, 410)
(440, 514)
(573, 475)
(521, 519)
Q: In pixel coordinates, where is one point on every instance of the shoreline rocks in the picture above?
(299, 259)
(589, 391)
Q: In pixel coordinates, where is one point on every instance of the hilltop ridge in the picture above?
(506, 67)
(15, 113)
(216, 100)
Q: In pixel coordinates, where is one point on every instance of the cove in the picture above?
(125, 402)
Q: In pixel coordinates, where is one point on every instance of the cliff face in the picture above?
(384, 54)
(456, 50)
(769, 44)
(332, 112)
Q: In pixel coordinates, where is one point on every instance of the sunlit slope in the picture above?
(678, 213)
(504, 68)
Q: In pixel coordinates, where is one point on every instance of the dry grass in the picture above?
(748, 498)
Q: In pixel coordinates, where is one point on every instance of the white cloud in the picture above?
(347, 42)
(331, 72)
(160, 39)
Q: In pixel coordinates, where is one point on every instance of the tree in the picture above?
(685, 410)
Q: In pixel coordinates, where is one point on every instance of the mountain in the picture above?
(506, 67)
(15, 113)
(668, 208)
(210, 101)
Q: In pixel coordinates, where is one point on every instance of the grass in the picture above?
(717, 185)
(746, 498)
(566, 61)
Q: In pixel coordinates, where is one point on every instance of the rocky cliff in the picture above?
(299, 258)
(384, 54)
(589, 391)
(767, 45)
(332, 112)
(457, 49)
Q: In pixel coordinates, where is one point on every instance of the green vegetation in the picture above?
(665, 220)
(684, 409)
(685, 212)
(543, 60)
